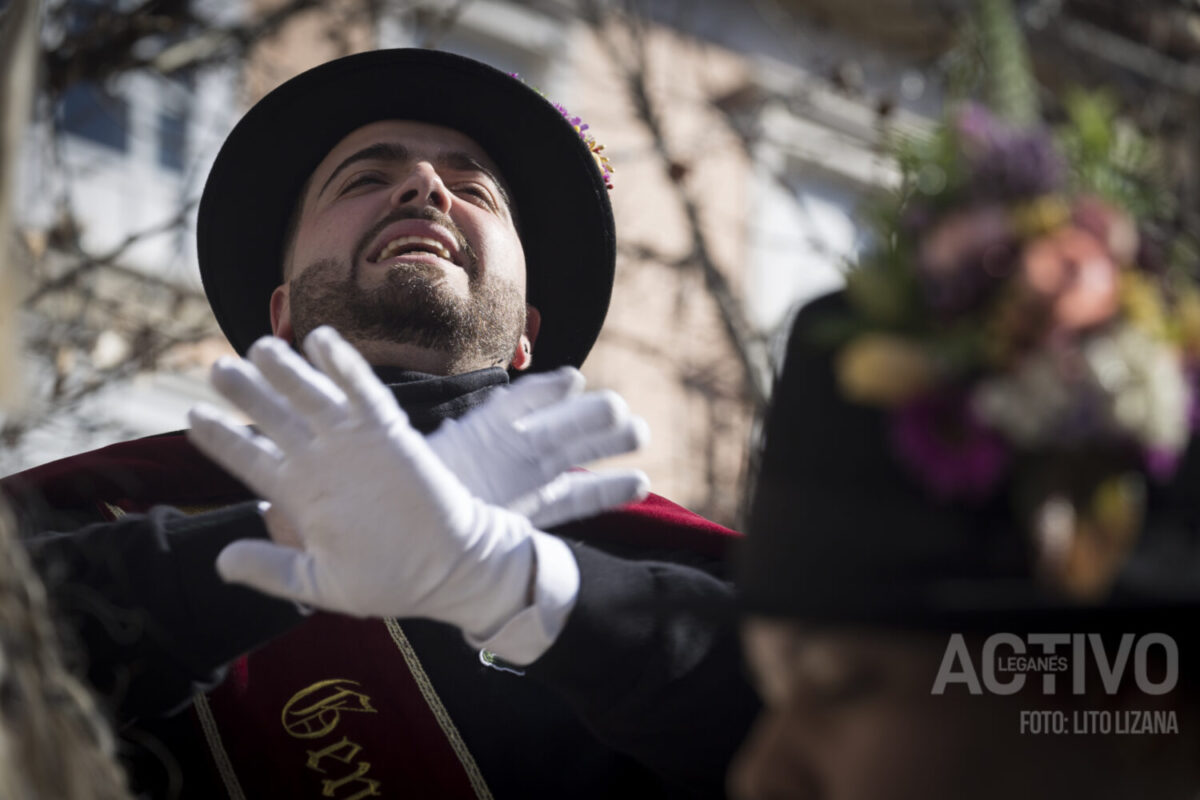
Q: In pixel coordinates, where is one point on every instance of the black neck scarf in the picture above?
(429, 399)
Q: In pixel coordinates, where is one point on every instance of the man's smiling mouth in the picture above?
(413, 244)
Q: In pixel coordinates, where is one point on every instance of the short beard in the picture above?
(413, 306)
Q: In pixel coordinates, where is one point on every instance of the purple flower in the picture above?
(1006, 161)
(1191, 376)
(941, 441)
(1161, 462)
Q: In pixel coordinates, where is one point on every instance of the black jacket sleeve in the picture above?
(650, 661)
(152, 619)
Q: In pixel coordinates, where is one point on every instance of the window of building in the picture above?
(172, 140)
(90, 111)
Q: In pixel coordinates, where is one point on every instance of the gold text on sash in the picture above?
(312, 713)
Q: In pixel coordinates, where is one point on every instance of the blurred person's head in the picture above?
(851, 713)
(973, 550)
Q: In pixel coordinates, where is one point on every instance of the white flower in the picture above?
(1027, 403)
(1143, 379)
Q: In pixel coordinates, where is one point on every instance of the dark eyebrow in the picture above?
(392, 151)
(380, 151)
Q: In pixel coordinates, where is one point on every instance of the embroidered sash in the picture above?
(340, 708)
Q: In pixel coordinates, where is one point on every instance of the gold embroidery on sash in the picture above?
(320, 716)
(314, 719)
(439, 711)
(118, 512)
(200, 509)
(213, 736)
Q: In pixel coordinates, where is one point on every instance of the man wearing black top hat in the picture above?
(455, 227)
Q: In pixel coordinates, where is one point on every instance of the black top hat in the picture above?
(557, 188)
(840, 532)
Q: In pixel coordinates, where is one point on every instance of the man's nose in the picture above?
(422, 187)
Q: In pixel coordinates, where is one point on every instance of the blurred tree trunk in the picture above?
(18, 60)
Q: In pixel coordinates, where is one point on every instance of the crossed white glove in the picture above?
(511, 451)
(514, 449)
(383, 526)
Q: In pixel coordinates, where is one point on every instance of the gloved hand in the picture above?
(511, 451)
(386, 529)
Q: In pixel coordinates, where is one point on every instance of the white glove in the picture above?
(385, 528)
(511, 451)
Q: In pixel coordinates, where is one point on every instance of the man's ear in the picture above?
(281, 313)
(523, 356)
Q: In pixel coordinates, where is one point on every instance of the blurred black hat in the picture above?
(841, 531)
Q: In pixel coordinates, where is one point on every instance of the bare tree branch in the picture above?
(441, 25)
(632, 64)
(152, 345)
(89, 262)
(110, 46)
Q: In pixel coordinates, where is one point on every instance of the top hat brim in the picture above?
(557, 189)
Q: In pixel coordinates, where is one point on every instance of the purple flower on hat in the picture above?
(1006, 161)
(1161, 462)
(581, 127)
(945, 445)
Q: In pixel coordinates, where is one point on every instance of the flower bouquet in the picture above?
(1025, 333)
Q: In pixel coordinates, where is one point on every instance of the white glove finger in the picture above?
(309, 392)
(270, 568)
(576, 495)
(549, 460)
(252, 459)
(353, 375)
(633, 435)
(242, 384)
(533, 392)
(595, 414)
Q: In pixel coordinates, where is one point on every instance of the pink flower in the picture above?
(939, 438)
(1071, 277)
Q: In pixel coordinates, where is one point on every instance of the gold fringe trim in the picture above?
(439, 711)
(213, 736)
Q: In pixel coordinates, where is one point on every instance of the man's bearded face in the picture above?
(406, 244)
(412, 305)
